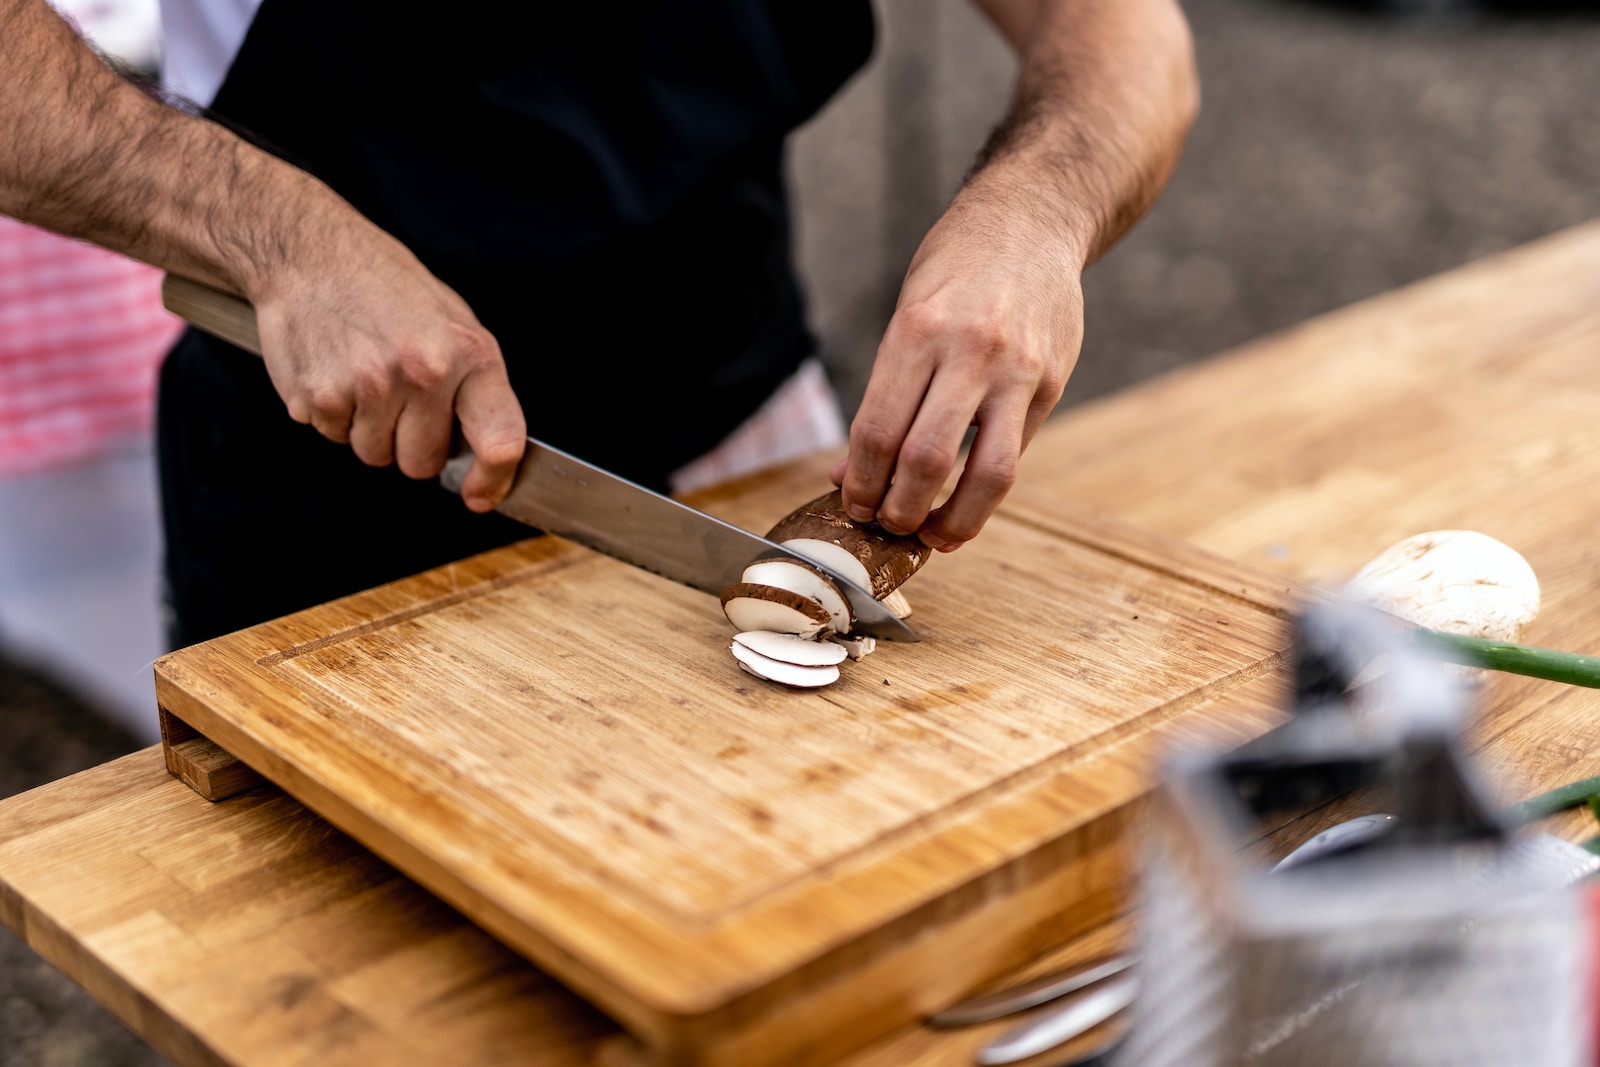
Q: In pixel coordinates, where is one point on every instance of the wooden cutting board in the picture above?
(562, 747)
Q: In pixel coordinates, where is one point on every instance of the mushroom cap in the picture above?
(1454, 581)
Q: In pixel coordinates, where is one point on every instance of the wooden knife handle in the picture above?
(227, 316)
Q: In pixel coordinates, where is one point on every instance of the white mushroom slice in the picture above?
(1455, 581)
(767, 607)
(775, 670)
(791, 649)
(858, 647)
(831, 556)
(808, 582)
(897, 603)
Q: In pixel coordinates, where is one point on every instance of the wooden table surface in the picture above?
(252, 932)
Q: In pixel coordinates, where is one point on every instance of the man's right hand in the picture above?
(360, 339)
(386, 357)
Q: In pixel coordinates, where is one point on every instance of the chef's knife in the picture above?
(563, 495)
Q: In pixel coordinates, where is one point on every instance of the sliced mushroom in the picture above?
(769, 607)
(858, 647)
(809, 582)
(792, 649)
(776, 670)
(833, 557)
(783, 608)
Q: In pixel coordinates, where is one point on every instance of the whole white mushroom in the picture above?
(1454, 581)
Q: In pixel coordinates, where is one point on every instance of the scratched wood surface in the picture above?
(562, 747)
(1465, 401)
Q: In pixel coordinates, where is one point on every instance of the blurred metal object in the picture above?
(1032, 993)
(1447, 940)
(1347, 836)
(1046, 1030)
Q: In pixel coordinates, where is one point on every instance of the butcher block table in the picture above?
(799, 877)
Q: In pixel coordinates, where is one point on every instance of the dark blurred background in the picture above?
(1344, 148)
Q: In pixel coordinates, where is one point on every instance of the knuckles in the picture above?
(326, 400)
(926, 460)
(995, 477)
(424, 370)
(927, 324)
(917, 325)
(873, 440)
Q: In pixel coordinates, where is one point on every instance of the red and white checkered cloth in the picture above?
(82, 333)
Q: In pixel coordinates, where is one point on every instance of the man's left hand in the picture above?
(985, 335)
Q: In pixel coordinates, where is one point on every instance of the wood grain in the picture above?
(253, 932)
(200, 763)
(561, 746)
(1465, 401)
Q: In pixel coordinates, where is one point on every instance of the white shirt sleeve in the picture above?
(128, 30)
(199, 39)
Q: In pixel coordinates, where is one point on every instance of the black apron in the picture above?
(603, 185)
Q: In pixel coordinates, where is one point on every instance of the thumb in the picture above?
(493, 426)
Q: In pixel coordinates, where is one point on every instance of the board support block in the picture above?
(202, 764)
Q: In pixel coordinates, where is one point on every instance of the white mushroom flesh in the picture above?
(775, 670)
(785, 574)
(858, 647)
(791, 649)
(751, 613)
(831, 556)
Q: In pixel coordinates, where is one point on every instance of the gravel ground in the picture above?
(1342, 150)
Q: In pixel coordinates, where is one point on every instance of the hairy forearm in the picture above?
(92, 156)
(1105, 96)
(359, 339)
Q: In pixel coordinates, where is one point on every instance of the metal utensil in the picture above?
(1056, 1026)
(561, 494)
(1029, 994)
(1350, 834)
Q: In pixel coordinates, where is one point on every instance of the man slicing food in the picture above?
(568, 220)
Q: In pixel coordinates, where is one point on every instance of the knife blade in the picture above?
(561, 494)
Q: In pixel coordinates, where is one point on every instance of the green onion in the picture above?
(1571, 795)
(1545, 663)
